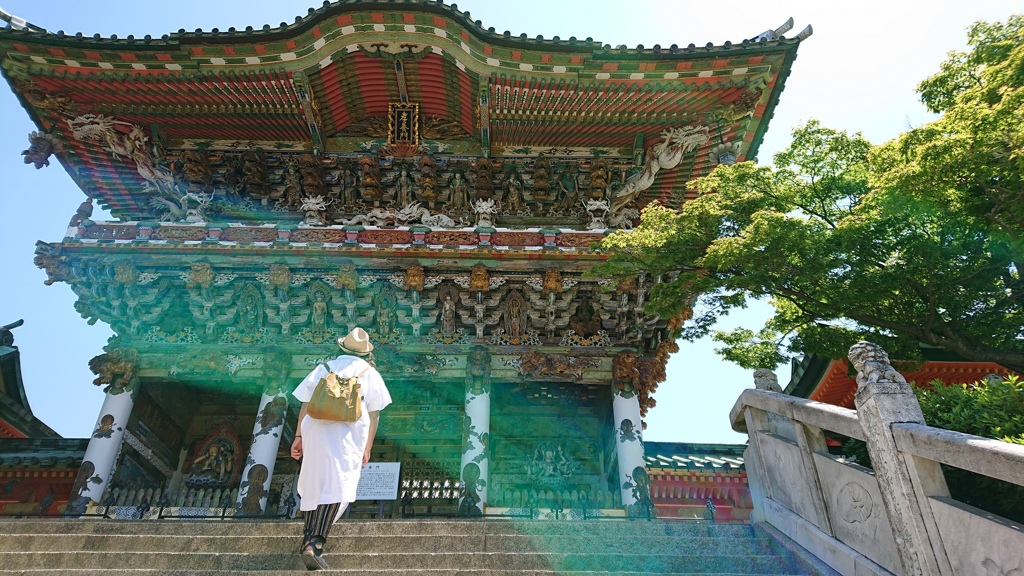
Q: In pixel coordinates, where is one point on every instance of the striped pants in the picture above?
(318, 522)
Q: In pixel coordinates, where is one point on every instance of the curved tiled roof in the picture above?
(245, 85)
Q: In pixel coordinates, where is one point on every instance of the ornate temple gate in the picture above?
(394, 167)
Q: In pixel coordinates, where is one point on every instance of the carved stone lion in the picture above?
(117, 370)
(478, 370)
(765, 379)
(624, 367)
(479, 279)
(872, 364)
(277, 363)
(56, 269)
(280, 276)
(552, 280)
(202, 275)
(414, 278)
(348, 278)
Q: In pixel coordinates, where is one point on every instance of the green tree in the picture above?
(972, 158)
(915, 241)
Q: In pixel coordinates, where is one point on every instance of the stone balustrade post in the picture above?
(884, 398)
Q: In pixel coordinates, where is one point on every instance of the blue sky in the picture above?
(857, 72)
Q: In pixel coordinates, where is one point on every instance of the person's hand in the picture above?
(297, 448)
(366, 455)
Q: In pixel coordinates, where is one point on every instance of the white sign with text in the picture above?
(379, 481)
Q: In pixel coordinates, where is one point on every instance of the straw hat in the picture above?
(356, 343)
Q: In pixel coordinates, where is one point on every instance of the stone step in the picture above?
(517, 562)
(255, 528)
(283, 544)
(388, 572)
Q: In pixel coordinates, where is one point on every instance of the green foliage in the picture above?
(992, 409)
(971, 159)
(915, 241)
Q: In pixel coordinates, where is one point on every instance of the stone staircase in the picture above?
(95, 547)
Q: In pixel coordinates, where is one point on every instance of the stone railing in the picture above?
(895, 519)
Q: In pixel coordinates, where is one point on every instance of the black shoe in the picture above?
(312, 555)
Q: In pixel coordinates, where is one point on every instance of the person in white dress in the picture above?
(333, 453)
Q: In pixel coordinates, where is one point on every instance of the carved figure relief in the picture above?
(216, 459)
(250, 310)
(448, 328)
(534, 364)
(404, 185)
(514, 320)
(370, 178)
(311, 170)
(319, 295)
(568, 186)
(550, 464)
(514, 199)
(385, 304)
(458, 193)
(348, 278)
(292, 193)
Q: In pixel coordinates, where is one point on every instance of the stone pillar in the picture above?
(629, 446)
(884, 398)
(476, 433)
(118, 370)
(259, 466)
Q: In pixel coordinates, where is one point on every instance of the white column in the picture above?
(259, 467)
(475, 451)
(629, 445)
(101, 453)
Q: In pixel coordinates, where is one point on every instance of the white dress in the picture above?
(332, 452)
